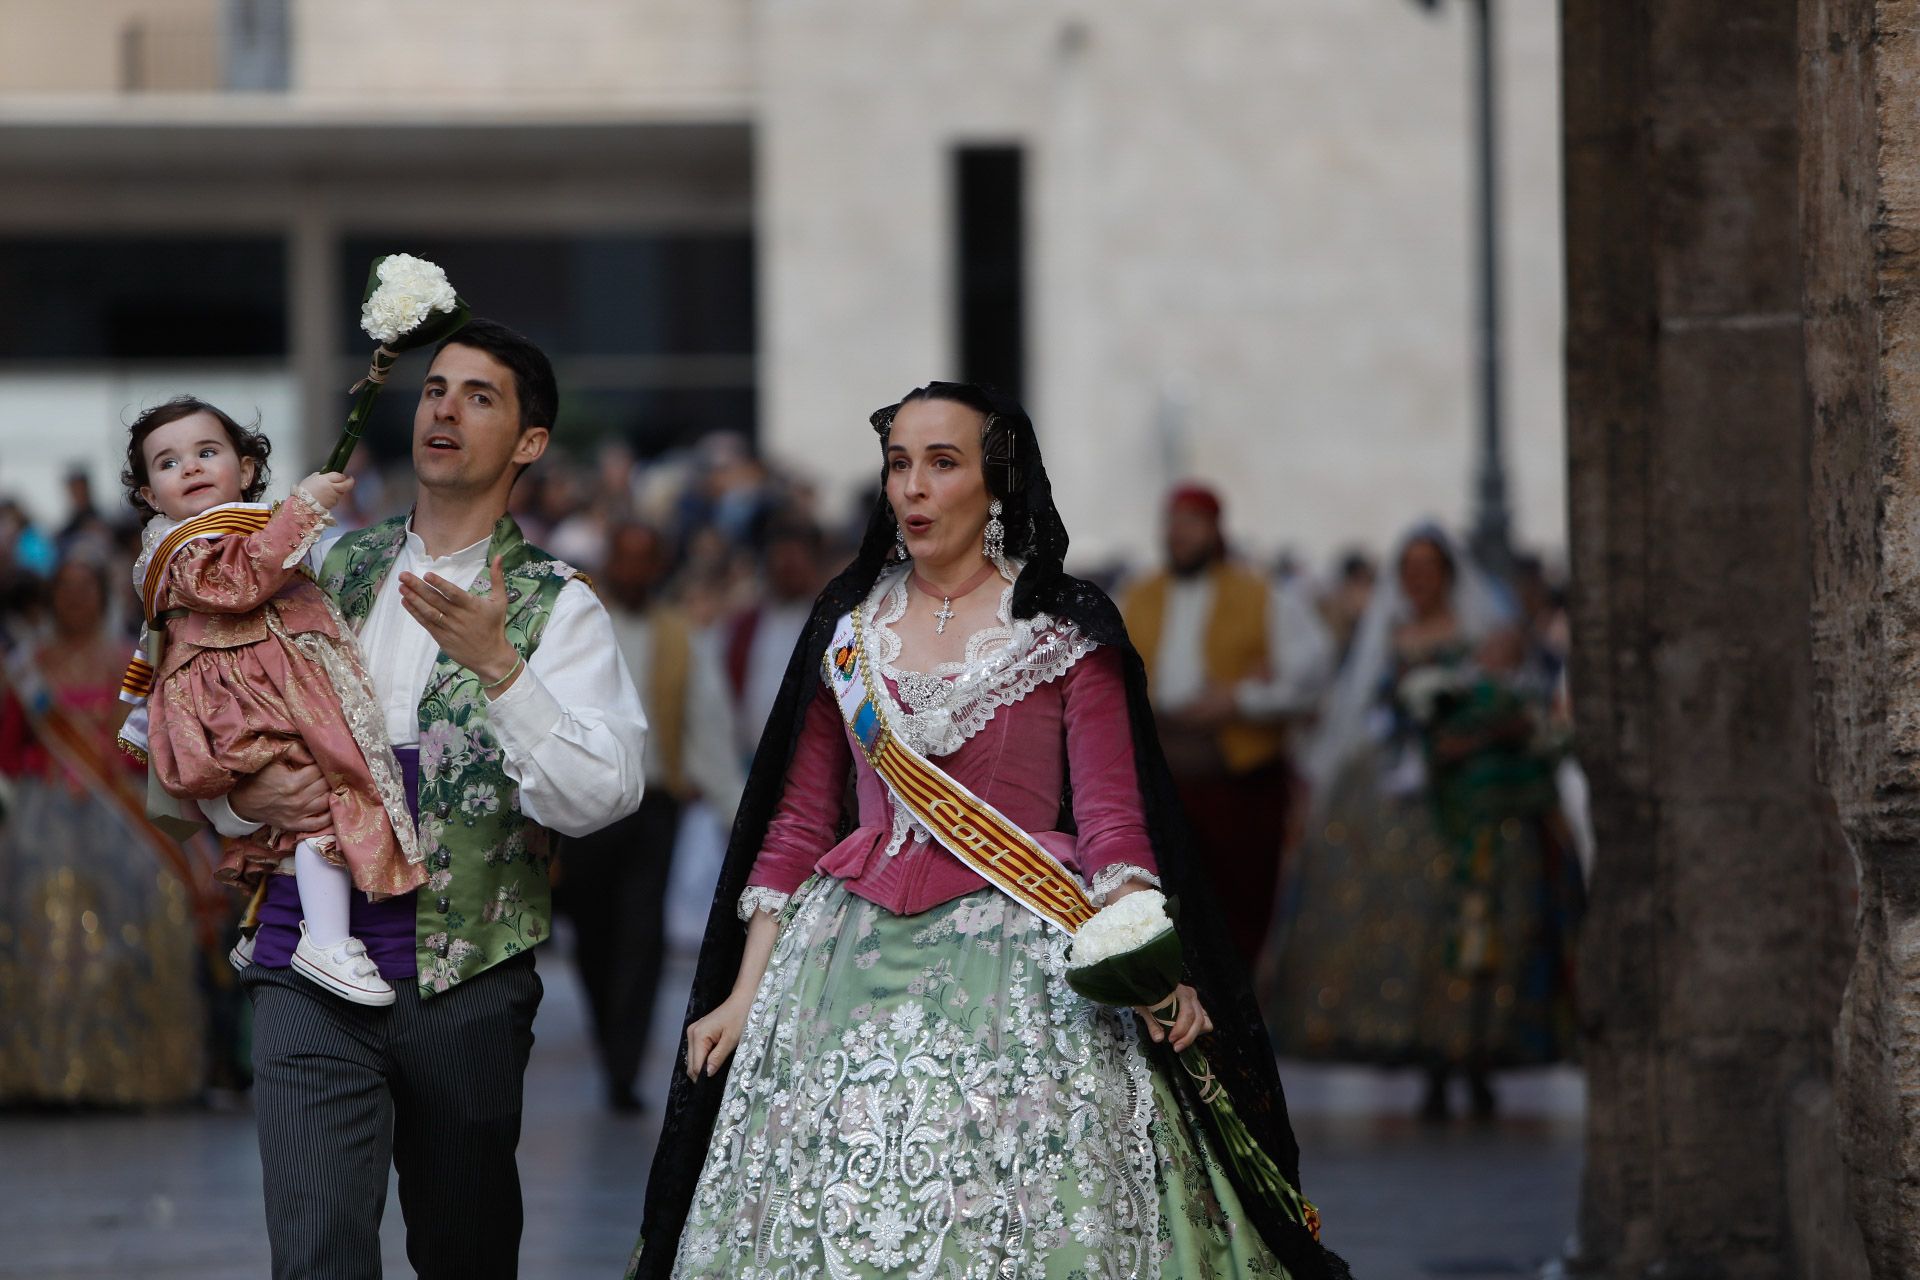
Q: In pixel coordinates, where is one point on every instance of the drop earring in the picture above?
(995, 544)
(899, 543)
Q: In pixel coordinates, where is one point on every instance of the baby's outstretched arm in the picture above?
(238, 574)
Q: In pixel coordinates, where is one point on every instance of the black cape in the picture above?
(1238, 1049)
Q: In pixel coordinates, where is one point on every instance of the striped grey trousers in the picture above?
(432, 1087)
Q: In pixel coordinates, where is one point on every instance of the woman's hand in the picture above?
(711, 1040)
(1183, 1008)
(1180, 1015)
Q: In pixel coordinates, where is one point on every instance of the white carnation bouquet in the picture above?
(1423, 689)
(1128, 956)
(408, 304)
(1128, 943)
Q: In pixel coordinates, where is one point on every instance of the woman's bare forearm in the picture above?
(762, 931)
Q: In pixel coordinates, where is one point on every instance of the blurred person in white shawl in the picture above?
(1366, 962)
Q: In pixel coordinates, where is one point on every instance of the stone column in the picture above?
(1860, 100)
(1717, 925)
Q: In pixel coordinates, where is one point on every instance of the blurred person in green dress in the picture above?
(1370, 961)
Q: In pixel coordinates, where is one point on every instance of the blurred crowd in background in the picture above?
(1373, 753)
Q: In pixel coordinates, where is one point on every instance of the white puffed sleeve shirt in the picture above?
(571, 728)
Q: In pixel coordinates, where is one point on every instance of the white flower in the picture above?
(906, 1021)
(409, 289)
(1423, 687)
(1123, 926)
(478, 798)
(1090, 1227)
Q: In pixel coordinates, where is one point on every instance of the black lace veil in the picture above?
(1238, 1049)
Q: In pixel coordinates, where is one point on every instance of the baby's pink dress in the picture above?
(261, 668)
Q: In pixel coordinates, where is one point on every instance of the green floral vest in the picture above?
(488, 896)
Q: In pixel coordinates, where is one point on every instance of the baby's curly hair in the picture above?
(248, 442)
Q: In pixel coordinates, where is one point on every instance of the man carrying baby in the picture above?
(514, 719)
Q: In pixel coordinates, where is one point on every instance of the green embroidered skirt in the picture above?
(924, 1096)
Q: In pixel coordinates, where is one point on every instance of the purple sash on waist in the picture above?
(387, 928)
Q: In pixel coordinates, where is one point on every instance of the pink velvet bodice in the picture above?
(1019, 762)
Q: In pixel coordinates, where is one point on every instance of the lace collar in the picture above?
(887, 604)
(935, 712)
(938, 710)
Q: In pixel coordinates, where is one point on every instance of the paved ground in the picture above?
(176, 1197)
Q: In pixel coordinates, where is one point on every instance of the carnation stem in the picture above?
(365, 392)
(1254, 1166)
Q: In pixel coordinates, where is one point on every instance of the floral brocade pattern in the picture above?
(1367, 958)
(924, 1096)
(256, 665)
(340, 659)
(487, 896)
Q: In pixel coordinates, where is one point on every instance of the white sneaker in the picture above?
(346, 971)
(242, 954)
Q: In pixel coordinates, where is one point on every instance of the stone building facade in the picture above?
(1243, 229)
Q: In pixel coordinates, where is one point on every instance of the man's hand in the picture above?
(289, 796)
(470, 629)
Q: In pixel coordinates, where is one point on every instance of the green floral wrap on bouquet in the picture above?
(1128, 956)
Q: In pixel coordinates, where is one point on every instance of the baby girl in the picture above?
(252, 664)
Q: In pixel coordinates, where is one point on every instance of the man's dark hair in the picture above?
(247, 442)
(533, 383)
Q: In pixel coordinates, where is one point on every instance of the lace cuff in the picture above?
(761, 898)
(317, 520)
(1113, 875)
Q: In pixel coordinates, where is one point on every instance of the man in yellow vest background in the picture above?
(1235, 663)
(613, 883)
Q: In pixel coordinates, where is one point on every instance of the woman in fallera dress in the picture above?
(886, 1073)
(100, 999)
(1431, 914)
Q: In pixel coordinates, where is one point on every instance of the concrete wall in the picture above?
(581, 56)
(1248, 222)
(51, 422)
(314, 183)
(576, 57)
(1250, 247)
(58, 46)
